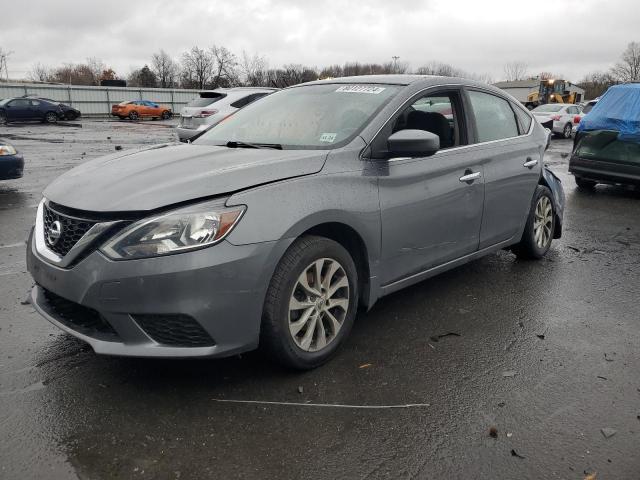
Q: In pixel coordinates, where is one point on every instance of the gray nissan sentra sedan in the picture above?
(277, 225)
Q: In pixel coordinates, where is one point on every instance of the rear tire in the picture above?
(166, 115)
(311, 303)
(585, 184)
(133, 115)
(51, 117)
(540, 227)
(567, 131)
(3, 118)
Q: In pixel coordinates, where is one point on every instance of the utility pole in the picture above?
(395, 63)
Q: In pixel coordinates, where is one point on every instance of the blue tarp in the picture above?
(618, 109)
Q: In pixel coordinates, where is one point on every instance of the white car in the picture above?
(560, 118)
(213, 106)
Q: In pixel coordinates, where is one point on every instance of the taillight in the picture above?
(205, 113)
(577, 119)
(555, 118)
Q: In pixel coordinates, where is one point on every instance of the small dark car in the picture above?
(11, 163)
(29, 109)
(607, 143)
(69, 112)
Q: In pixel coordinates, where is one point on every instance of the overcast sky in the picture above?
(570, 37)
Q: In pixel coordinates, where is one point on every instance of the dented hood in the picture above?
(163, 175)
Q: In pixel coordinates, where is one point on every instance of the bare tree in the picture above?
(253, 70)
(628, 70)
(95, 67)
(165, 69)
(4, 56)
(442, 69)
(225, 70)
(142, 77)
(514, 71)
(197, 67)
(40, 73)
(596, 83)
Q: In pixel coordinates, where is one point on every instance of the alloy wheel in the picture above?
(318, 304)
(567, 131)
(543, 222)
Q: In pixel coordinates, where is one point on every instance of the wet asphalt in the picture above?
(543, 354)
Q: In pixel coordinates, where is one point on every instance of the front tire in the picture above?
(311, 303)
(133, 115)
(540, 227)
(166, 115)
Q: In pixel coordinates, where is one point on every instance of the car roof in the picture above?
(240, 89)
(406, 80)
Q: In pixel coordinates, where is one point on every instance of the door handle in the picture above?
(530, 163)
(470, 177)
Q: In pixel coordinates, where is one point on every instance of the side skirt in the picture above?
(420, 276)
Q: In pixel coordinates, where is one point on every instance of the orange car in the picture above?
(136, 109)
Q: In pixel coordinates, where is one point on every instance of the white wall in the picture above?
(98, 100)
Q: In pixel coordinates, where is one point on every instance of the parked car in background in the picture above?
(69, 112)
(589, 105)
(29, 110)
(607, 143)
(135, 109)
(11, 162)
(275, 226)
(213, 106)
(557, 117)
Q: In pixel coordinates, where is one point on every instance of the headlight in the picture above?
(7, 150)
(190, 228)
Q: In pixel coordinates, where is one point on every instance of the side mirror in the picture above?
(417, 143)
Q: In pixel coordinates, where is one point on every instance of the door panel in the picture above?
(509, 187)
(428, 215)
(504, 149)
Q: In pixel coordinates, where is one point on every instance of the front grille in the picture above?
(174, 330)
(82, 319)
(71, 230)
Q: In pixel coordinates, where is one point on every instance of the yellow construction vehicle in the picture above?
(552, 91)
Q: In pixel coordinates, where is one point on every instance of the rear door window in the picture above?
(494, 118)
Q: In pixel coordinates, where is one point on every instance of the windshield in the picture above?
(316, 116)
(547, 108)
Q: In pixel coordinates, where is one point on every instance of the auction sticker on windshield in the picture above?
(360, 89)
(328, 137)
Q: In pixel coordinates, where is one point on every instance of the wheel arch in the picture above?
(353, 242)
(549, 180)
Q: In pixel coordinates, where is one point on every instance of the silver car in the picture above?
(560, 118)
(213, 106)
(275, 227)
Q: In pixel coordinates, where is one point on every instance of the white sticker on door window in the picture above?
(360, 89)
(328, 137)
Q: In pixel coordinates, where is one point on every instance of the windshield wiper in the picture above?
(234, 144)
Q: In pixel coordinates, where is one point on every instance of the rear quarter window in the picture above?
(524, 119)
